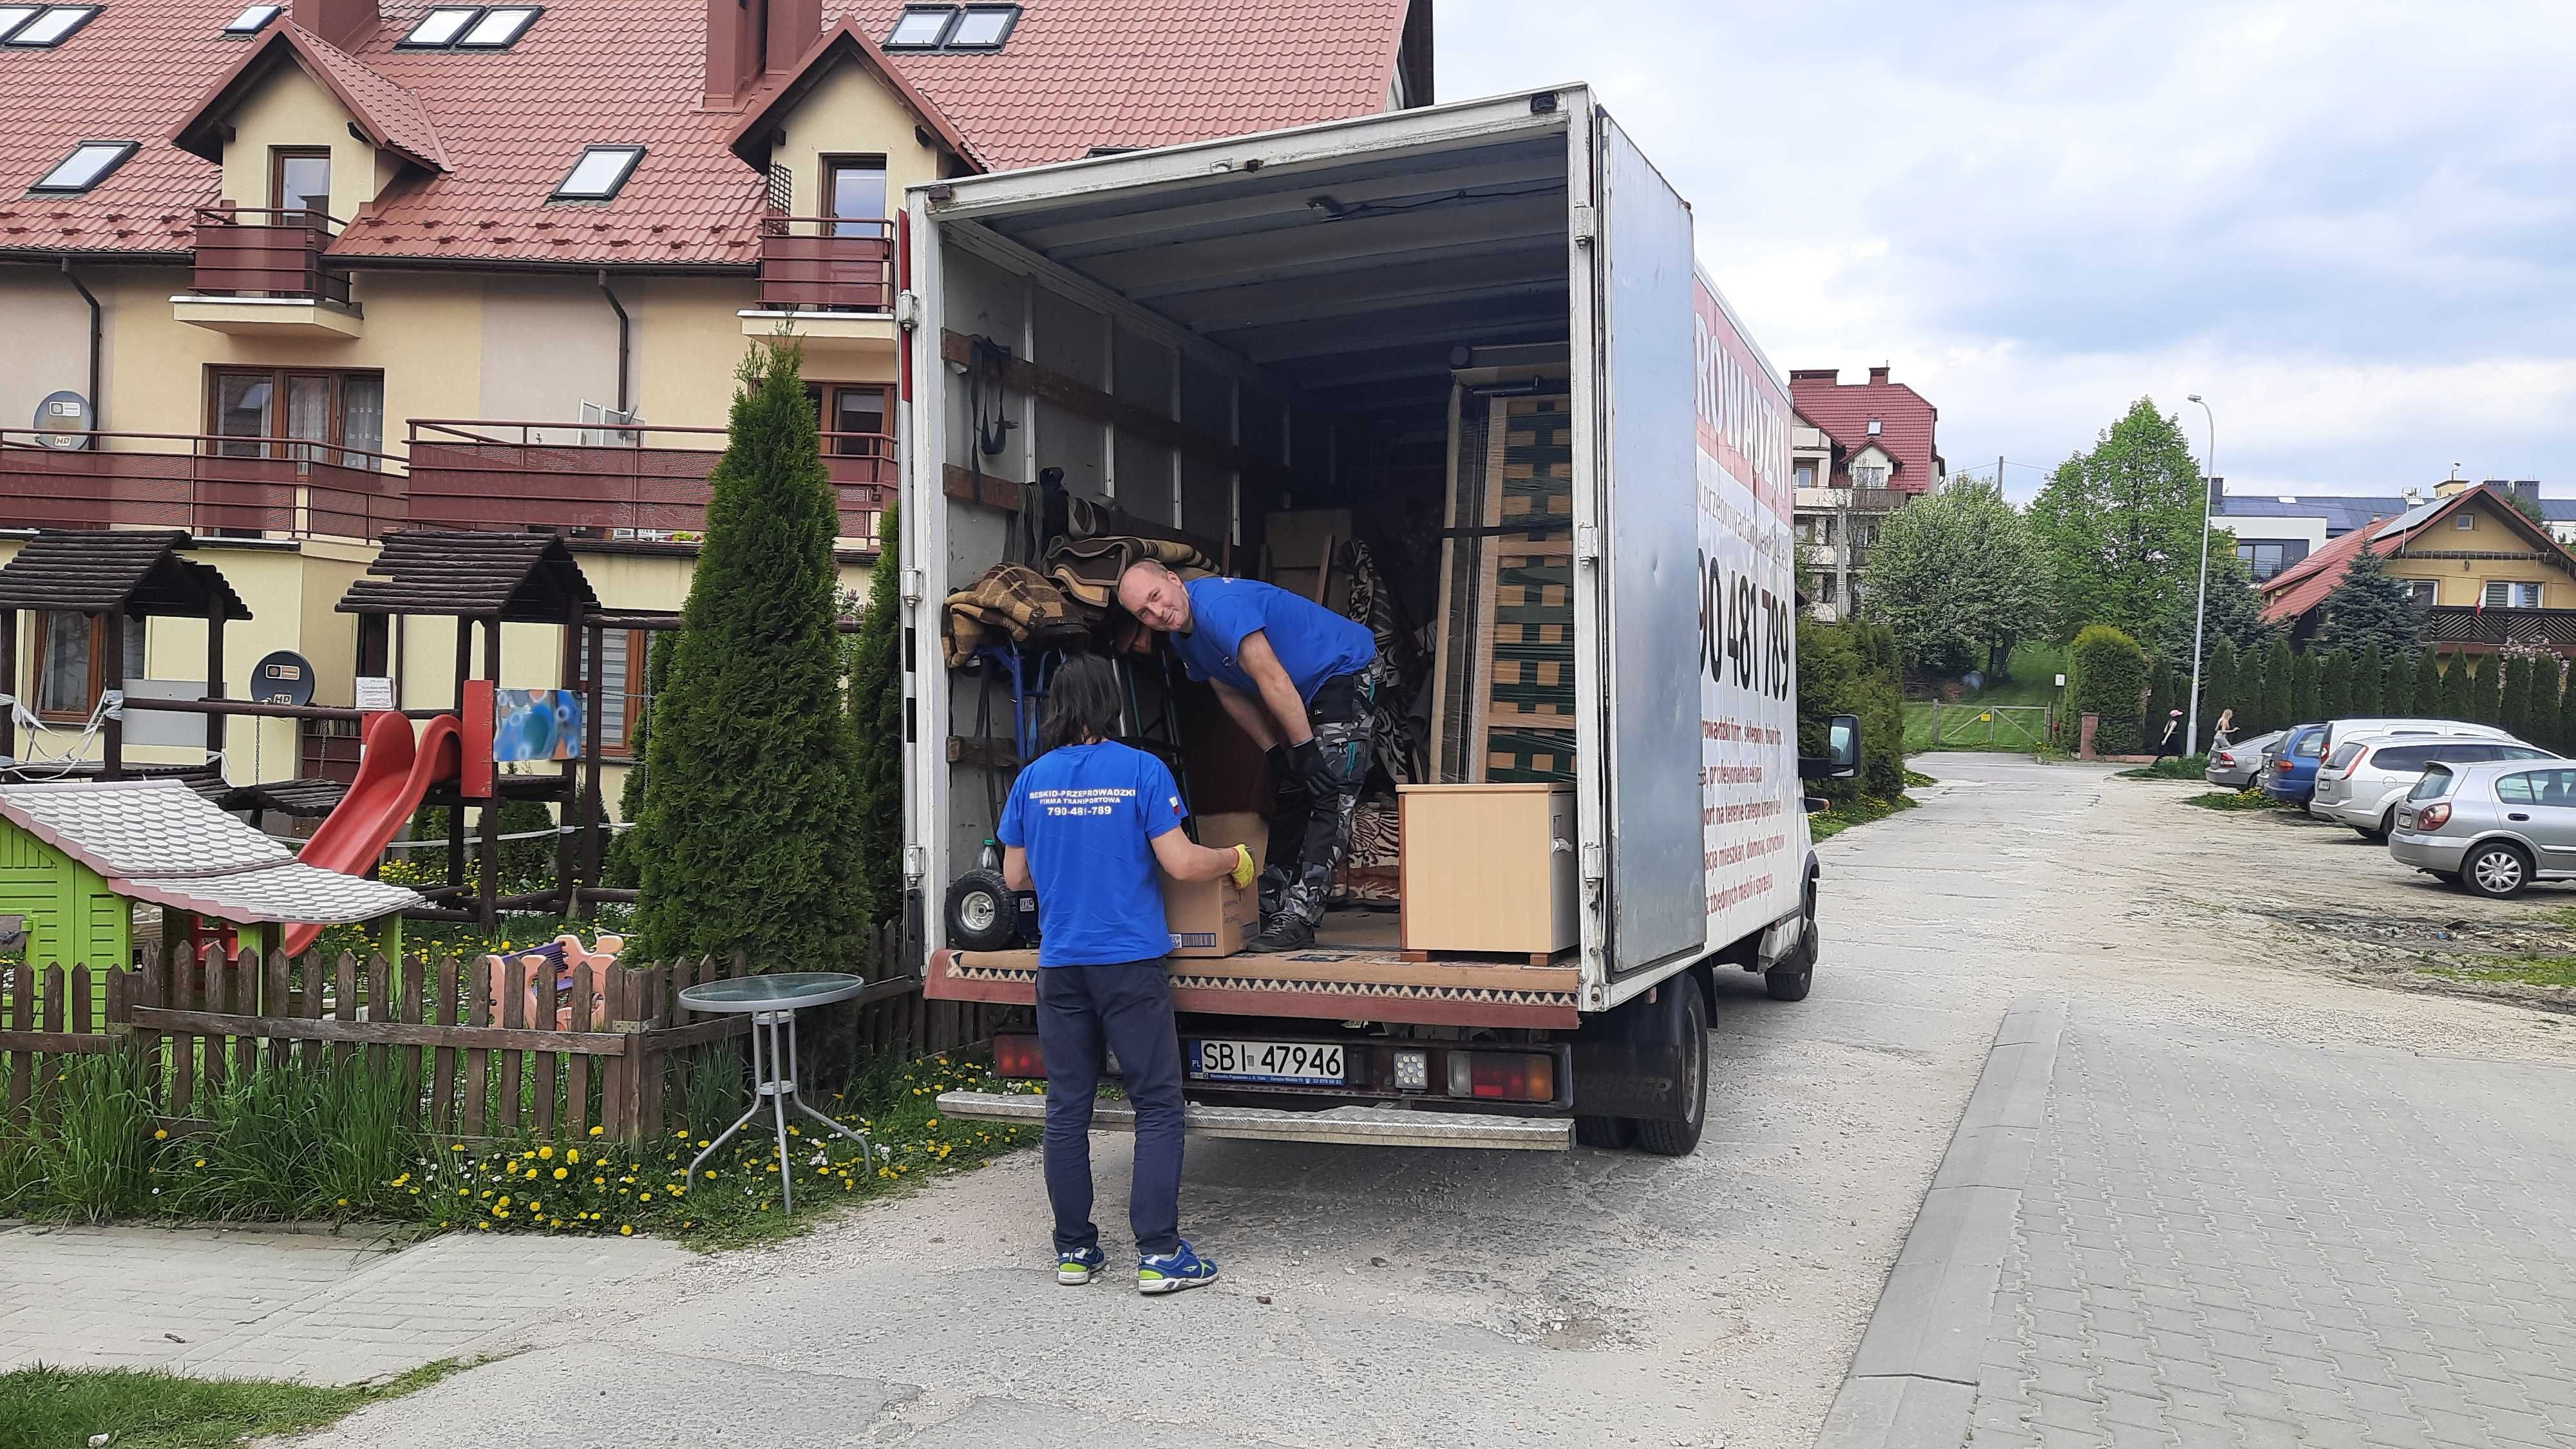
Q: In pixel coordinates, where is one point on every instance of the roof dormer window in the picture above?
(471, 27)
(599, 174)
(89, 164)
(953, 27)
(252, 20)
(43, 28)
(1874, 428)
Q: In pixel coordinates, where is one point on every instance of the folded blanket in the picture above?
(1087, 569)
(1009, 604)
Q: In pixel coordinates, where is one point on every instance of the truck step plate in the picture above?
(1363, 1126)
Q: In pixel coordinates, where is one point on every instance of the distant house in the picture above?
(1858, 452)
(2275, 530)
(2489, 575)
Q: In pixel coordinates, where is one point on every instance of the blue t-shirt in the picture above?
(1313, 643)
(1087, 815)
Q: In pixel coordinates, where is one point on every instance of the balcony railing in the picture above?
(266, 252)
(2465, 624)
(826, 263)
(207, 485)
(644, 483)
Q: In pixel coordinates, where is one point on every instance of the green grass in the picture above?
(2530, 970)
(1916, 779)
(2237, 800)
(52, 1408)
(2030, 680)
(2186, 767)
(1843, 816)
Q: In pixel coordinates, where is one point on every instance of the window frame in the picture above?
(125, 151)
(10, 27)
(832, 162)
(2423, 591)
(634, 158)
(1010, 21)
(2512, 594)
(530, 14)
(42, 667)
(277, 443)
(826, 396)
(278, 156)
(235, 30)
(639, 649)
(18, 32)
(1863, 475)
(949, 16)
(473, 13)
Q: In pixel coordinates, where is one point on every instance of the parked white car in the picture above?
(2362, 783)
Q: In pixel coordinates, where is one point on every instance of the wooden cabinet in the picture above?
(1489, 868)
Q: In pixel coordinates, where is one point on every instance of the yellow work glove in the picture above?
(1242, 873)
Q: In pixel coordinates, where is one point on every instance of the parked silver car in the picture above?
(2492, 828)
(2236, 766)
(2337, 731)
(2361, 783)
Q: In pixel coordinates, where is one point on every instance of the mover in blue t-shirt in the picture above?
(1299, 679)
(1088, 823)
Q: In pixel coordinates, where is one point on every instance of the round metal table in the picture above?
(772, 1002)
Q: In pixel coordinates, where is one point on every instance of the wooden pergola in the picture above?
(118, 576)
(492, 579)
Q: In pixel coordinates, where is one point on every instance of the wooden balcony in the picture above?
(826, 264)
(210, 486)
(2474, 628)
(641, 485)
(263, 272)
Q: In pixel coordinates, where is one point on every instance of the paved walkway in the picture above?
(290, 1305)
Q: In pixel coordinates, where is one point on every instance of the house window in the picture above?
(2499, 594)
(90, 163)
(470, 27)
(70, 662)
(1869, 476)
(309, 415)
(2465, 519)
(299, 185)
(622, 699)
(1806, 529)
(953, 27)
(853, 418)
(854, 195)
(598, 175)
(252, 19)
(1874, 428)
(1824, 588)
(2420, 590)
(48, 27)
(1806, 475)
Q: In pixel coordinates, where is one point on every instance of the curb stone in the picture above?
(1913, 1381)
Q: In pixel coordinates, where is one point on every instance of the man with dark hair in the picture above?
(1088, 822)
(1299, 679)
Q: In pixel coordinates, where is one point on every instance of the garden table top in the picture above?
(777, 991)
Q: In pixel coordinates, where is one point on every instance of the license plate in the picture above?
(1296, 1062)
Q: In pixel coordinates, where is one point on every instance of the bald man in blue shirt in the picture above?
(1299, 679)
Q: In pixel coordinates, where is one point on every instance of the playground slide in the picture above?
(394, 772)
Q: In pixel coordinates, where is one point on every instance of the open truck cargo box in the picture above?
(1193, 335)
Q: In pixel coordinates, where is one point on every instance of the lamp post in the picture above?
(2200, 604)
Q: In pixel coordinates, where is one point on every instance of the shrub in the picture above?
(2108, 678)
(2334, 686)
(1851, 669)
(876, 718)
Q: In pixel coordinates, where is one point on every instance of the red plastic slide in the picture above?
(394, 772)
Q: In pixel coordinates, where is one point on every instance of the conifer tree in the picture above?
(2303, 688)
(2425, 697)
(876, 717)
(2519, 689)
(2218, 689)
(746, 838)
(2370, 683)
(2334, 686)
(2564, 738)
(2160, 701)
(2453, 697)
(619, 867)
(2279, 688)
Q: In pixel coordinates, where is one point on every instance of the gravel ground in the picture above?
(1386, 1297)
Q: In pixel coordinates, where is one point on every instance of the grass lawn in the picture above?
(2032, 680)
(2237, 800)
(52, 1408)
(1830, 823)
(2185, 767)
(2530, 970)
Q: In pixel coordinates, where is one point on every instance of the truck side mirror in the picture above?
(1841, 759)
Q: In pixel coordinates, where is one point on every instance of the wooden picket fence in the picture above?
(605, 1053)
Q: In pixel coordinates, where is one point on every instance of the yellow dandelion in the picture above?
(572, 1154)
(626, 1230)
(160, 1134)
(546, 1152)
(562, 1173)
(595, 1131)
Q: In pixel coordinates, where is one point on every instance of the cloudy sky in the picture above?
(2351, 227)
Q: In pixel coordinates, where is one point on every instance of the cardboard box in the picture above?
(1210, 917)
(1237, 827)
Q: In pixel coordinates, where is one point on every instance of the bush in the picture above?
(294, 1142)
(1851, 669)
(2107, 676)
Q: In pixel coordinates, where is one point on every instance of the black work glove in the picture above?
(1283, 770)
(1308, 761)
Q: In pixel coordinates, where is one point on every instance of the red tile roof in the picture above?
(843, 40)
(390, 115)
(1843, 410)
(508, 125)
(2304, 585)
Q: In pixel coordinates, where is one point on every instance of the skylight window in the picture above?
(442, 25)
(599, 173)
(983, 27)
(13, 16)
(51, 26)
(87, 166)
(922, 27)
(253, 19)
(500, 27)
(953, 27)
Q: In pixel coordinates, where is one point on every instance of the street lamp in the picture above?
(2200, 605)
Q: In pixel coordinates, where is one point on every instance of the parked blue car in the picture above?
(2291, 773)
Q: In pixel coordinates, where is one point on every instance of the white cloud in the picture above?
(2346, 224)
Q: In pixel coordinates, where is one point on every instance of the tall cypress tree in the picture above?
(2370, 683)
(2454, 693)
(2520, 689)
(2490, 687)
(2425, 696)
(2160, 700)
(2279, 688)
(747, 837)
(2218, 689)
(2334, 686)
(876, 716)
(2564, 738)
(2303, 688)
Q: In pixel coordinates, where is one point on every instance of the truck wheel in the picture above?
(983, 914)
(1793, 981)
(1689, 1019)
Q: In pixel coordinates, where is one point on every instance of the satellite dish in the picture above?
(62, 420)
(284, 677)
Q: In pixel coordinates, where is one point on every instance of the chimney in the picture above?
(736, 47)
(793, 24)
(2527, 487)
(342, 22)
(1878, 374)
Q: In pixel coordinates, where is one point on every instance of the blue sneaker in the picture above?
(1174, 1271)
(1076, 1267)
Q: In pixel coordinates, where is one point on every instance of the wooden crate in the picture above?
(1489, 868)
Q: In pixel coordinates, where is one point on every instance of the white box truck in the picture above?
(1181, 339)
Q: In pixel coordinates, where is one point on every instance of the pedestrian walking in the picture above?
(2171, 744)
(2225, 733)
(1088, 823)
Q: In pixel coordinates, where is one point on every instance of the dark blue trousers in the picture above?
(1126, 1009)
